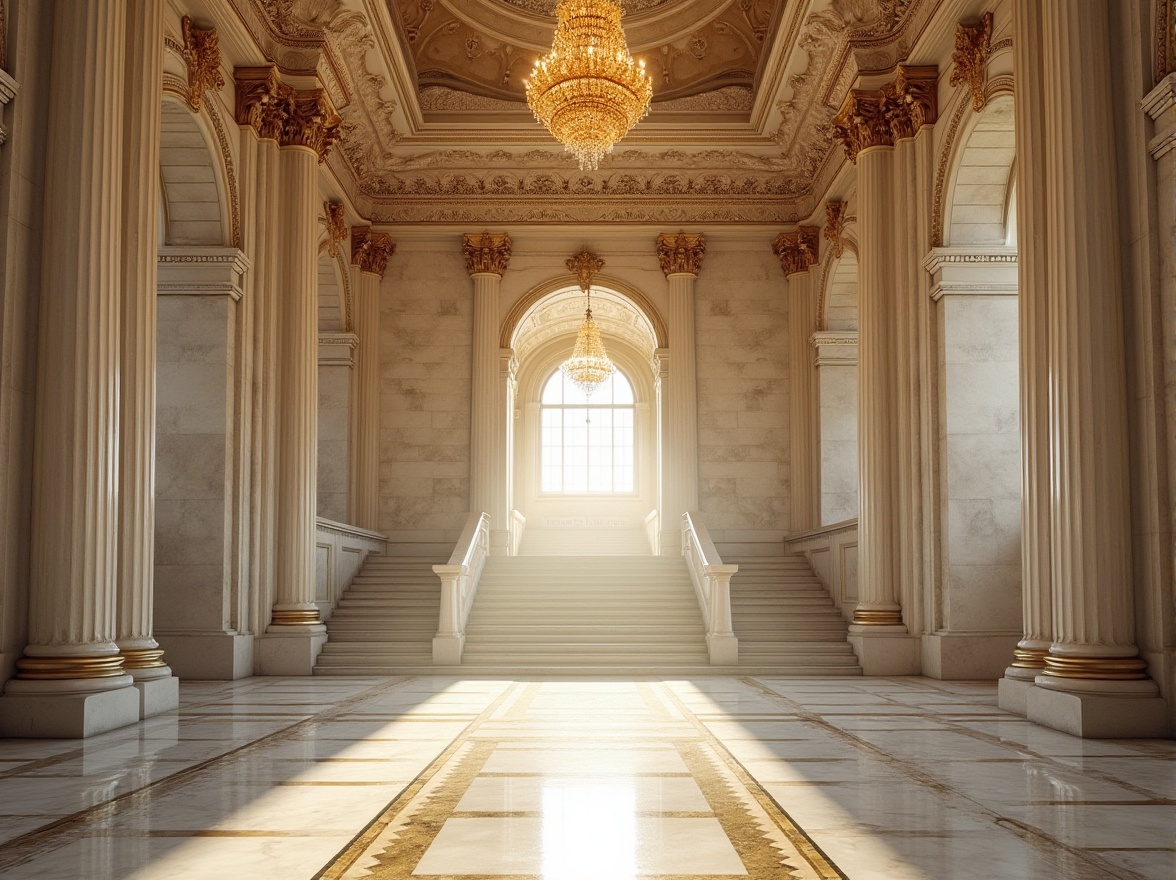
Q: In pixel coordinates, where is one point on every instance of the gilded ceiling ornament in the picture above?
(972, 47)
(797, 250)
(584, 265)
(680, 254)
(336, 227)
(202, 55)
(370, 250)
(486, 254)
(835, 225)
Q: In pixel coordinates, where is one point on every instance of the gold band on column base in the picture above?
(1107, 668)
(63, 668)
(145, 658)
(877, 616)
(295, 616)
(1029, 658)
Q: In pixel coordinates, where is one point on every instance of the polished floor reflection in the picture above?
(566, 779)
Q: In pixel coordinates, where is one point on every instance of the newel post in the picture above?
(720, 638)
(450, 640)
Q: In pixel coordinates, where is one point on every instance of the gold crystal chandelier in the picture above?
(589, 365)
(588, 91)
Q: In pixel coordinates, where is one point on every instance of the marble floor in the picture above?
(572, 779)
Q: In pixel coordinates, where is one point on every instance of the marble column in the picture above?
(869, 124)
(487, 256)
(306, 126)
(1033, 328)
(142, 657)
(369, 254)
(1094, 682)
(71, 681)
(680, 256)
(798, 252)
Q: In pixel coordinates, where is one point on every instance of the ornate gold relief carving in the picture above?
(336, 227)
(370, 250)
(834, 226)
(277, 111)
(202, 55)
(1165, 38)
(488, 253)
(584, 265)
(680, 254)
(862, 123)
(879, 117)
(797, 250)
(972, 47)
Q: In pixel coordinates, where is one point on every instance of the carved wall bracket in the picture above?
(370, 250)
(202, 55)
(335, 222)
(834, 226)
(680, 254)
(972, 47)
(487, 253)
(797, 250)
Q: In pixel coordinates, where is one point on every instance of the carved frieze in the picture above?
(797, 250)
(335, 223)
(680, 254)
(370, 250)
(972, 46)
(835, 225)
(487, 253)
(202, 55)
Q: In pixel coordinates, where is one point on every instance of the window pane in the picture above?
(586, 442)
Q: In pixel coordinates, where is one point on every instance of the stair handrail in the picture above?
(459, 585)
(712, 585)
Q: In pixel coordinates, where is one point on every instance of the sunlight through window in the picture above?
(587, 442)
(589, 831)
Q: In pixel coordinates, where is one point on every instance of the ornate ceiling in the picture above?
(435, 129)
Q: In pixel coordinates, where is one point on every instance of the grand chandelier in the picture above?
(588, 91)
(589, 365)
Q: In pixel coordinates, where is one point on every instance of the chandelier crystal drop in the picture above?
(589, 365)
(588, 91)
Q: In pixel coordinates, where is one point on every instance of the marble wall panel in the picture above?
(334, 447)
(837, 388)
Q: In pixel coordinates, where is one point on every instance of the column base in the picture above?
(962, 656)
(1138, 711)
(216, 656)
(158, 695)
(1012, 692)
(67, 716)
(885, 650)
(724, 650)
(447, 650)
(293, 653)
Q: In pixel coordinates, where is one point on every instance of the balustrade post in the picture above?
(720, 638)
(450, 640)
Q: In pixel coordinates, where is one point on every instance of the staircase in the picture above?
(584, 542)
(386, 620)
(785, 620)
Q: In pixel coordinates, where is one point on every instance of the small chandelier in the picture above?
(588, 91)
(589, 365)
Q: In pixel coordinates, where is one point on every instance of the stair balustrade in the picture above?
(653, 531)
(518, 525)
(712, 586)
(459, 585)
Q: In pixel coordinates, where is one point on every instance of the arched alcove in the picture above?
(837, 390)
(335, 392)
(190, 180)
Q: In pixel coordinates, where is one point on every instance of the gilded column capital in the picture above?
(972, 45)
(680, 254)
(487, 253)
(862, 122)
(911, 100)
(311, 122)
(202, 55)
(835, 225)
(797, 250)
(335, 223)
(370, 250)
(277, 111)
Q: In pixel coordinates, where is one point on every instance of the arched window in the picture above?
(587, 443)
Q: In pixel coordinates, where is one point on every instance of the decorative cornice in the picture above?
(277, 111)
(680, 254)
(370, 250)
(584, 265)
(835, 225)
(972, 48)
(201, 53)
(335, 222)
(897, 110)
(487, 253)
(797, 250)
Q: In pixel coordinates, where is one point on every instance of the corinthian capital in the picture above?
(862, 122)
(797, 250)
(263, 100)
(370, 250)
(487, 253)
(912, 100)
(680, 254)
(311, 122)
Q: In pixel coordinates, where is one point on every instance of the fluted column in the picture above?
(70, 681)
(142, 656)
(1033, 330)
(305, 126)
(487, 256)
(681, 259)
(798, 251)
(369, 253)
(1092, 670)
